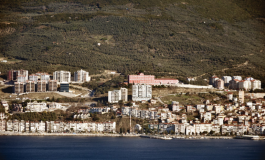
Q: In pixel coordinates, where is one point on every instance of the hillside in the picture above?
(169, 37)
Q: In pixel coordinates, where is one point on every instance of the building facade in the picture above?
(30, 86)
(141, 92)
(219, 84)
(226, 80)
(33, 77)
(41, 86)
(64, 87)
(212, 80)
(117, 95)
(81, 76)
(18, 87)
(45, 77)
(12, 74)
(52, 85)
(150, 80)
(255, 84)
(62, 76)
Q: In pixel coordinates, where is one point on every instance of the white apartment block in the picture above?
(45, 77)
(33, 77)
(141, 92)
(244, 85)
(255, 84)
(226, 80)
(117, 95)
(22, 78)
(81, 76)
(36, 107)
(62, 76)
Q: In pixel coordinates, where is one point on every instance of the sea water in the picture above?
(121, 148)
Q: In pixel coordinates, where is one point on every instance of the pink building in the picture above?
(150, 79)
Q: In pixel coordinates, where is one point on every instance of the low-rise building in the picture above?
(36, 107)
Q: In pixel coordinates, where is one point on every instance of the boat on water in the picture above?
(166, 138)
(252, 137)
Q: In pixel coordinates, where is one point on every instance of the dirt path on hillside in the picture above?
(237, 66)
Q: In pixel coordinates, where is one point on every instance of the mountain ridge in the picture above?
(187, 38)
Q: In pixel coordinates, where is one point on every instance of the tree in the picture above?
(212, 132)
(130, 104)
(121, 103)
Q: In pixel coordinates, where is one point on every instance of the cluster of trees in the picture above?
(34, 116)
(115, 82)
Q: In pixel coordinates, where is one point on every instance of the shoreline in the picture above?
(68, 134)
(116, 135)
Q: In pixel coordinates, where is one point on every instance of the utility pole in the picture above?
(130, 122)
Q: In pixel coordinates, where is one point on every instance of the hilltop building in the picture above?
(12, 75)
(18, 87)
(21, 78)
(33, 77)
(30, 86)
(45, 77)
(52, 85)
(117, 95)
(81, 76)
(62, 76)
(219, 84)
(244, 84)
(41, 86)
(255, 84)
(150, 80)
(226, 80)
(212, 80)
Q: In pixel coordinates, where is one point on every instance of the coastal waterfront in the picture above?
(80, 147)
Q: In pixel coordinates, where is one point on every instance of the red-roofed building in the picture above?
(150, 80)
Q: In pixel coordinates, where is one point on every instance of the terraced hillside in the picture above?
(170, 37)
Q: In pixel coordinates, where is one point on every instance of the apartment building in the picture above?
(226, 80)
(117, 95)
(45, 77)
(12, 75)
(81, 76)
(244, 84)
(52, 85)
(141, 92)
(255, 84)
(33, 77)
(62, 76)
(41, 86)
(30, 86)
(219, 84)
(18, 87)
(234, 84)
(21, 78)
(212, 80)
